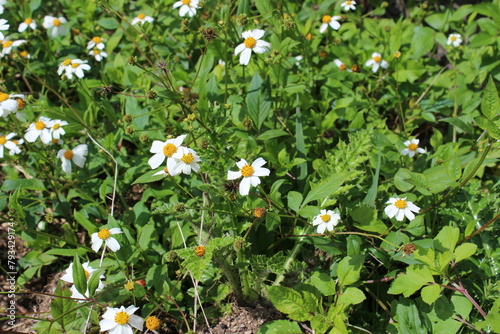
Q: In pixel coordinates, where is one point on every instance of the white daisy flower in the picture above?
(412, 148)
(39, 129)
(399, 208)
(326, 220)
(250, 174)
(187, 7)
(65, 67)
(77, 155)
(105, 236)
(186, 160)
(88, 270)
(7, 44)
(331, 21)
(79, 66)
(454, 39)
(99, 55)
(13, 145)
(141, 18)
(95, 42)
(376, 61)
(341, 65)
(121, 320)
(252, 43)
(4, 25)
(27, 23)
(56, 129)
(55, 25)
(5, 142)
(222, 63)
(165, 149)
(8, 104)
(348, 5)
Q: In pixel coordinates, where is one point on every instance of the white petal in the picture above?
(245, 56)
(400, 215)
(258, 33)
(370, 62)
(66, 165)
(261, 172)
(184, 10)
(261, 46)
(391, 211)
(384, 64)
(107, 324)
(254, 180)
(157, 147)
(112, 244)
(79, 160)
(244, 34)
(244, 186)
(321, 228)
(81, 149)
(405, 151)
(242, 163)
(412, 207)
(233, 175)
(177, 4)
(31, 135)
(259, 162)
(375, 67)
(335, 25)
(96, 243)
(136, 321)
(323, 27)
(115, 230)
(409, 214)
(156, 160)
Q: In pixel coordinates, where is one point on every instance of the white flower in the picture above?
(326, 220)
(341, 65)
(119, 320)
(250, 174)
(165, 149)
(8, 104)
(412, 148)
(65, 67)
(27, 23)
(400, 208)
(186, 160)
(56, 129)
(88, 270)
(73, 66)
(376, 61)
(141, 18)
(25, 54)
(95, 42)
(222, 63)
(105, 236)
(99, 55)
(331, 21)
(56, 141)
(454, 39)
(55, 24)
(77, 155)
(252, 43)
(7, 45)
(39, 129)
(348, 5)
(187, 7)
(5, 142)
(4, 25)
(13, 145)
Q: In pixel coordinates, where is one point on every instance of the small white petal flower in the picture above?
(348, 5)
(120, 320)
(399, 208)
(56, 129)
(376, 61)
(165, 149)
(141, 18)
(186, 160)
(341, 65)
(454, 39)
(77, 155)
(65, 67)
(412, 148)
(8, 144)
(7, 44)
(88, 270)
(250, 174)
(79, 66)
(251, 43)
(331, 21)
(4, 25)
(99, 55)
(55, 25)
(8, 103)
(187, 7)
(95, 42)
(39, 129)
(105, 236)
(326, 220)
(27, 23)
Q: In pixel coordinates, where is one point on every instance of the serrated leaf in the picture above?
(288, 301)
(60, 307)
(349, 268)
(294, 200)
(408, 283)
(324, 283)
(464, 251)
(257, 100)
(490, 103)
(280, 327)
(447, 238)
(351, 296)
(416, 226)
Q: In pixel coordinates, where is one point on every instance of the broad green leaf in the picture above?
(464, 251)
(94, 281)
(79, 277)
(32, 184)
(425, 255)
(294, 200)
(422, 42)
(443, 260)
(416, 226)
(324, 283)
(67, 252)
(288, 301)
(86, 224)
(325, 188)
(280, 327)
(149, 177)
(410, 282)
(351, 296)
(60, 308)
(257, 100)
(145, 236)
(462, 305)
(430, 293)
(270, 134)
(349, 268)
(408, 318)
(447, 238)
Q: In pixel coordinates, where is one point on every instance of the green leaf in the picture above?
(32, 184)
(67, 252)
(294, 200)
(464, 251)
(257, 100)
(351, 296)
(289, 301)
(94, 281)
(79, 278)
(408, 318)
(243, 7)
(86, 224)
(447, 239)
(280, 327)
(490, 103)
(430, 293)
(145, 234)
(270, 134)
(422, 42)
(149, 177)
(325, 188)
(415, 277)
(349, 269)
(416, 226)
(60, 308)
(324, 283)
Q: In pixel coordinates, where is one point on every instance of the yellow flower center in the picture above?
(7, 44)
(28, 20)
(165, 170)
(397, 54)
(169, 149)
(342, 67)
(453, 38)
(412, 147)
(96, 40)
(68, 155)
(247, 171)
(377, 59)
(187, 158)
(152, 323)
(57, 22)
(104, 234)
(325, 218)
(186, 2)
(87, 274)
(24, 54)
(200, 250)
(96, 52)
(3, 140)
(56, 126)
(66, 62)
(141, 16)
(39, 125)
(3, 97)
(326, 19)
(348, 3)
(20, 103)
(15, 142)
(400, 204)
(250, 42)
(54, 141)
(121, 318)
(129, 286)
(75, 65)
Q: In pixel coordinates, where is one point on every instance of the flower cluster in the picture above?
(70, 67)
(180, 159)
